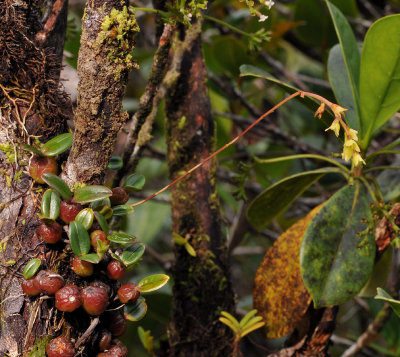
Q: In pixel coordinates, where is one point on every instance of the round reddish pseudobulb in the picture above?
(115, 270)
(48, 282)
(94, 299)
(82, 267)
(117, 324)
(60, 347)
(128, 293)
(29, 288)
(69, 210)
(98, 235)
(119, 196)
(50, 232)
(40, 165)
(104, 340)
(68, 298)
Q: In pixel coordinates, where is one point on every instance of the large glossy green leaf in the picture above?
(351, 59)
(92, 193)
(395, 304)
(337, 253)
(50, 205)
(379, 76)
(276, 198)
(379, 275)
(58, 144)
(58, 184)
(310, 103)
(79, 238)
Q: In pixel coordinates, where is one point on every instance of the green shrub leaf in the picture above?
(379, 76)
(91, 193)
(58, 184)
(383, 295)
(79, 238)
(310, 103)
(337, 253)
(152, 282)
(276, 198)
(85, 217)
(58, 144)
(351, 58)
(31, 268)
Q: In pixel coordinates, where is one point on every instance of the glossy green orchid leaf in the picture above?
(136, 311)
(122, 210)
(115, 163)
(134, 182)
(50, 205)
(31, 268)
(79, 238)
(58, 144)
(121, 238)
(102, 221)
(85, 217)
(152, 282)
(57, 184)
(92, 193)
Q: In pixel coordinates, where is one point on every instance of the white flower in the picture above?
(269, 3)
(262, 18)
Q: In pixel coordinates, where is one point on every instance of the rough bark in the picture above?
(31, 104)
(202, 287)
(103, 66)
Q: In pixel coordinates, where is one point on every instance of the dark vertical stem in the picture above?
(202, 287)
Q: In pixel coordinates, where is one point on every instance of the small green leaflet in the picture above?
(31, 268)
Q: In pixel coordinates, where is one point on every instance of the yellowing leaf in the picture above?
(280, 295)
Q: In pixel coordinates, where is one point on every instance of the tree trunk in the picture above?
(31, 104)
(202, 288)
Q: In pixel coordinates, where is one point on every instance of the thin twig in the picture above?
(371, 333)
(88, 332)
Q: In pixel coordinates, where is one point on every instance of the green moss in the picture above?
(39, 348)
(9, 152)
(116, 35)
(182, 122)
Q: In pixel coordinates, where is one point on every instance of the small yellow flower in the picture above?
(353, 134)
(338, 110)
(357, 159)
(349, 148)
(320, 110)
(335, 127)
